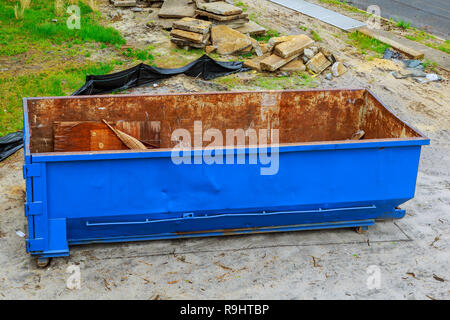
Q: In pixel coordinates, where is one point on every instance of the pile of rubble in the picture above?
(293, 54)
(203, 34)
(191, 32)
(216, 11)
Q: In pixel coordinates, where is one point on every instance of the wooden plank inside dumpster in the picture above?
(96, 136)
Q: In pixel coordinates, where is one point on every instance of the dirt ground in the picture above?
(412, 254)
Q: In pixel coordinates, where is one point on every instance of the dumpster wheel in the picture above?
(43, 262)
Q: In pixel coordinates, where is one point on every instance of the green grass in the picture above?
(36, 29)
(404, 25)
(427, 39)
(47, 83)
(344, 5)
(365, 43)
(315, 36)
(46, 58)
(270, 33)
(142, 55)
(241, 5)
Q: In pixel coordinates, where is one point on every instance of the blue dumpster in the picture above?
(308, 174)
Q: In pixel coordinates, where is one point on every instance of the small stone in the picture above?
(54, 20)
(308, 53)
(256, 47)
(329, 76)
(137, 9)
(305, 59)
(338, 69)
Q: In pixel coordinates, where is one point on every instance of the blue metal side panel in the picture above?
(125, 198)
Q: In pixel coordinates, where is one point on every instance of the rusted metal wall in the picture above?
(301, 116)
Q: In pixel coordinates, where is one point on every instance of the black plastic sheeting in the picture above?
(10, 144)
(204, 67)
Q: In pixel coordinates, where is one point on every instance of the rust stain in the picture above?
(301, 116)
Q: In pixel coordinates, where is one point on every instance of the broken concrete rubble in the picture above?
(296, 65)
(193, 25)
(274, 62)
(255, 63)
(189, 36)
(177, 9)
(218, 17)
(124, 3)
(292, 47)
(252, 28)
(219, 8)
(318, 63)
(229, 41)
(338, 69)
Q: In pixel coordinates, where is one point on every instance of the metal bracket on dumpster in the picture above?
(35, 244)
(31, 170)
(33, 208)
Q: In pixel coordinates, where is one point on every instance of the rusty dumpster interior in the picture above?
(71, 124)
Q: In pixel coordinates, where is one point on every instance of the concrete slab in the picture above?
(419, 50)
(323, 14)
(220, 8)
(193, 25)
(289, 48)
(229, 41)
(274, 62)
(177, 9)
(218, 17)
(251, 28)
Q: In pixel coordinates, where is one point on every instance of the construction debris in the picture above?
(295, 53)
(274, 62)
(338, 69)
(193, 25)
(177, 9)
(251, 28)
(191, 32)
(220, 8)
(124, 3)
(221, 27)
(222, 13)
(318, 63)
(296, 65)
(293, 47)
(229, 41)
(255, 63)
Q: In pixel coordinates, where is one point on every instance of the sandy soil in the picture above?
(412, 253)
